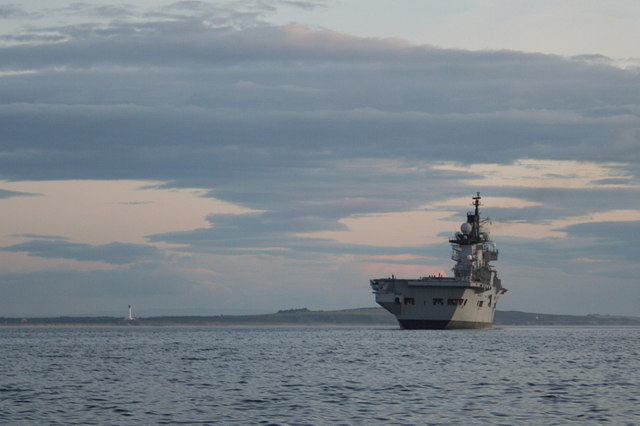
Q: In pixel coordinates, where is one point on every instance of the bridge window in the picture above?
(409, 301)
(437, 301)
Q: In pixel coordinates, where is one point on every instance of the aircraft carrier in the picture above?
(466, 300)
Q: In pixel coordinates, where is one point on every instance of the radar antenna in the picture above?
(476, 217)
(476, 202)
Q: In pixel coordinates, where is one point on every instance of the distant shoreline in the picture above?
(304, 317)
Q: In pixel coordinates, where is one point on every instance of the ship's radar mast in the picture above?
(470, 230)
(476, 202)
(476, 217)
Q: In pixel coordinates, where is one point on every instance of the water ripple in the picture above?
(319, 375)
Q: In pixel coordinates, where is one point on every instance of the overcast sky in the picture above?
(248, 156)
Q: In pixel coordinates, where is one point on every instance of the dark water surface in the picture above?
(319, 375)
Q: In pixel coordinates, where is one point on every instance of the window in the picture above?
(438, 301)
(480, 303)
(456, 302)
(409, 301)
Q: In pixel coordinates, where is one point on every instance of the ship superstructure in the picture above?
(466, 300)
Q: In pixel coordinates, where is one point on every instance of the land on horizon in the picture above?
(303, 316)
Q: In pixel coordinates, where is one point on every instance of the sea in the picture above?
(265, 375)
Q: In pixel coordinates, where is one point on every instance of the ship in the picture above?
(467, 300)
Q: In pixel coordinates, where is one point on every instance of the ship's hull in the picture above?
(437, 303)
(421, 324)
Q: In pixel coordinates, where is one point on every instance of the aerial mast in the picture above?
(476, 217)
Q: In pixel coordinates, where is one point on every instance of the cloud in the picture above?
(276, 235)
(41, 237)
(113, 253)
(99, 212)
(610, 238)
(549, 174)
(8, 194)
(12, 12)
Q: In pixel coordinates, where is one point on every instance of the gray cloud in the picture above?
(41, 237)
(240, 98)
(113, 253)
(611, 241)
(13, 11)
(9, 194)
(272, 234)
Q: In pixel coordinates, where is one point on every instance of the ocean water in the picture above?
(319, 375)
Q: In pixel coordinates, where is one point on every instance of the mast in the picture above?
(470, 230)
(476, 217)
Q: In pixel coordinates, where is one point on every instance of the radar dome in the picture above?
(466, 228)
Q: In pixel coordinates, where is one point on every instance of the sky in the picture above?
(246, 156)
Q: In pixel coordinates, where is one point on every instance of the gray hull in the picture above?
(437, 303)
(441, 325)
